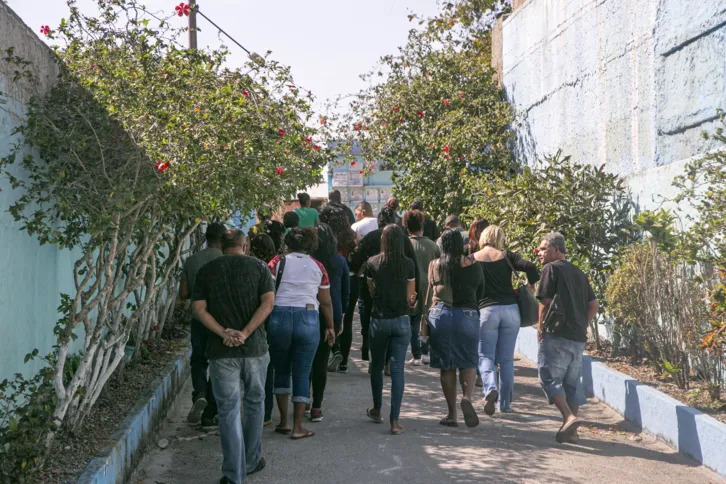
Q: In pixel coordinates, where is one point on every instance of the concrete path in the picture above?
(508, 448)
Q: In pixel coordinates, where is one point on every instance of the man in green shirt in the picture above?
(425, 250)
(308, 216)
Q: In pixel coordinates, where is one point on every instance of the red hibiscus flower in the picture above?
(419, 114)
(245, 93)
(162, 166)
(395, 108)
(308, 140)
(448, 157)
(45, 30)
(447, 102)
(182, 9)
(316, 147)
(352, 163)
(357, 126)
(446, 149)
(282, 133)
(384, 123)
(461, 95)
(361, 172)
(279, 171)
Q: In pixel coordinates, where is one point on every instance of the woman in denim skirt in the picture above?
(456, 282)
(293, 332)
(391, 279)
(499, 317)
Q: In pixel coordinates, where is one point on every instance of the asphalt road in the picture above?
(508, 448)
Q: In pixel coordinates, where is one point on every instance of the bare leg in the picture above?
(448, 385)
(282, 407)
(467, 378)
(561, 404)
(299, 414)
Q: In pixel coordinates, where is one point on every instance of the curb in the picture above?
(690, 431)
(118, 459)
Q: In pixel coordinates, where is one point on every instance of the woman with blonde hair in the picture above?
(499, 316)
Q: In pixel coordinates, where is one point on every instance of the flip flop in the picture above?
(370, 416)
(283, 431)
(491, 399)
(448, 423)
(566, 433)
(307, 434)
(397, 431)
(471, 419)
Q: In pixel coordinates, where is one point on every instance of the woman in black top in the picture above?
(391, 278)
(457, 284)
(499, 317)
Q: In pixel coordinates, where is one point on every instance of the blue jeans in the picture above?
(498, 330)
(453, 333)
(241, 442)
(397, 332)
(293, 335)
(417, 348)
(560, 369)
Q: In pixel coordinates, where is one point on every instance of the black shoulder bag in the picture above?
(280, 270)
(528, 305)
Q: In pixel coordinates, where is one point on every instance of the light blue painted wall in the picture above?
(626, 83)
(32, 276)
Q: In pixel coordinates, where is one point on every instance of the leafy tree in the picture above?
(585, 203)
(139, 140)
(437, 114)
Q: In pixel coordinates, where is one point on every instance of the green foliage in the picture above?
(584, 203)
(434, 113)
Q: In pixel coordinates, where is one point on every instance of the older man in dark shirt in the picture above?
(233, 295)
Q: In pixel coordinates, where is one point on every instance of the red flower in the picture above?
(316, 147)
(45, 30)
(395, 108)
(420, 114)
(182, 9)
(292, 86)
(446, 149)
(447, 102)
(279, 171)
(162, 166)
(448, 157)
(245, 93)
(461, 95)
(352, 163)
(361, 172)
(308, 140)
(459, 157)
(384, 123)
(357, 126)
(282, 133)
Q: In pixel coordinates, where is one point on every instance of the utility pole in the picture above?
(193, 24)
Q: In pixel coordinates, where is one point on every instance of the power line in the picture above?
(225, 33)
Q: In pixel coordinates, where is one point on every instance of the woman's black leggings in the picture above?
(319, 372)
(345, 340)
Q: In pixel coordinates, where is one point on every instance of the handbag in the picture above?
(526, 302)
(424, 332)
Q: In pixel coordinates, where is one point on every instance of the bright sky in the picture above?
(328, 43)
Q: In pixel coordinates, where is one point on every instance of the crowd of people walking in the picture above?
(273, 316)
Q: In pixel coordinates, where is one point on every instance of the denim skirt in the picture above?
(454, 337)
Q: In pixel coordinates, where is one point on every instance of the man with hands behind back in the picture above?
(232, 297)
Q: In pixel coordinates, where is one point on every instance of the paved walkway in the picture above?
(508, 448)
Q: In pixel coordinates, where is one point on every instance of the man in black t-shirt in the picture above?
(565, 292)
(232, 297)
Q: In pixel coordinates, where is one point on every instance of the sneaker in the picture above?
(260, 465)
(195, 413)
(342, 368)
(417, 362)
(426, 359)
(307, 410)
(267, 422)
(334, 362)
(316, 415)
(210, 423)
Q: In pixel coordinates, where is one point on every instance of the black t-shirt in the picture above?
(498, 289)
(574, 293)
(389, 300)
(233, 286)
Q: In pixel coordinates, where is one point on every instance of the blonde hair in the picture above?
(493, 236)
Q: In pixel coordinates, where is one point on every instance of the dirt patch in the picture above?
(646, 372)
(71, 452)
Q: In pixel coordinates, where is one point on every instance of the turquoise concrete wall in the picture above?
(630, 84)
(32, 276)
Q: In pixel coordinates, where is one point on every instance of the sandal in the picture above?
(378, 419)
(567, 431)
(308, 433)
(283, 430)
(448, 423)
(491, 399)
(470, 417)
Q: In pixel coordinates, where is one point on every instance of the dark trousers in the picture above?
(365, 305)
(345, 340)
(417, 348)
(201, 384)
(269, 387)
(319, 372)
